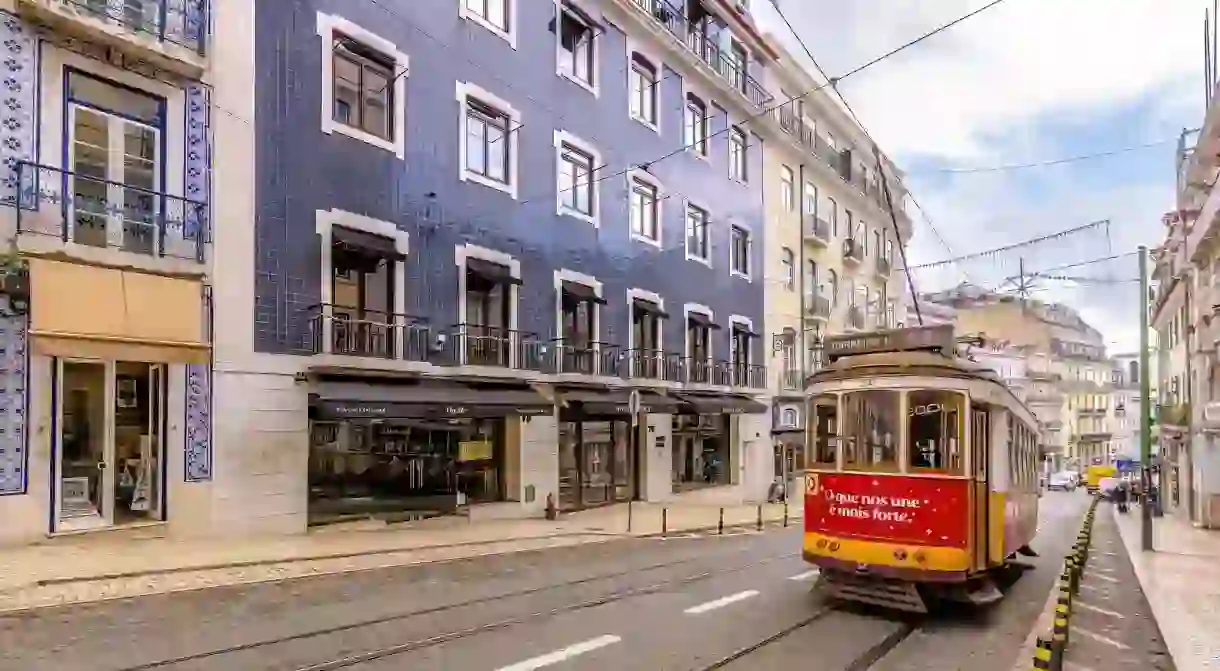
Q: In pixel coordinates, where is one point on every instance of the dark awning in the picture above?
(582, 292)
(744, 329)
(650, 307)
(369, 243)
(702, 320)
(729, 404)
(356, 400)
(492, 271)
(617, 402)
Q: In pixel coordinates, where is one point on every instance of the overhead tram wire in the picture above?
(833, 83)
(1014, 246)
(1043, 164)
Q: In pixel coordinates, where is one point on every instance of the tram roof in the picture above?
(894, 364)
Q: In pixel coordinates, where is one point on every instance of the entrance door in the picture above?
(980, 456)
(83, 472)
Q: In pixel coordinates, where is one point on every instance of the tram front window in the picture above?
(870, 430)
(935, 432)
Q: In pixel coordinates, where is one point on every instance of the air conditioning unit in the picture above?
(1211, 416)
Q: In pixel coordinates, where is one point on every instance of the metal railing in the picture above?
(747, 375)
(100, 213)
(655, 364)
(817, 306)
(180, 22)
(592, 358)
(817, 229)
(791, 379)
(883, 266)
(852, 250)
(702, 370)
(700, 44)
(494, 346)
(351, 331)
(855, 317)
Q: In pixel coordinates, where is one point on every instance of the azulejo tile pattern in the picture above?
(14, 458)
(18, 69)
(198, 455)
(198, 161)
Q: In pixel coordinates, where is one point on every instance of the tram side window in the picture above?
(870, 430)
(826, 427)
(935, 432)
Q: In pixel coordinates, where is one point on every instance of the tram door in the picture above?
(980, 455)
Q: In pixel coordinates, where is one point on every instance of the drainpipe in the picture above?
(800, 276)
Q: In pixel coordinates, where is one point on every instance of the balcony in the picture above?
(1091, 412)
(791, 380)
(494, 347)
(171, 34)
(883, 267)
(1045, 399)
(349, 331)
(91, 212)
(745, 375)
(596, 359)
(852, 251)
(1174, 414)
(655, 364)
(817, 230)
(693, 39)
(817, 307)
(855, 318)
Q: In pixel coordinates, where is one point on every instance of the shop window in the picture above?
(700, 451)
(870, 430)
(490, 304)
(579, 308)
(362, 293)
(823, 412)
(699, 347)
(596, 466)
(935, 432)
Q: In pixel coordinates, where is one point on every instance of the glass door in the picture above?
(83, 445)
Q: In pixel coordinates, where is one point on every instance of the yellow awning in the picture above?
(107, 313)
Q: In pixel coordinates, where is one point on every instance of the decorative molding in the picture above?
(14, 452)
(18, 103)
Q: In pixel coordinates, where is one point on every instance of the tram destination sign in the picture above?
(894, 340)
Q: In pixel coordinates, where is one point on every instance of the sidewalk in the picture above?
(108, 566)
(1182, 583)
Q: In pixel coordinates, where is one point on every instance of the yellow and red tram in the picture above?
(922, 476)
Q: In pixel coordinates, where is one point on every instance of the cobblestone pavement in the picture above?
(1112, 625)
(680, 603)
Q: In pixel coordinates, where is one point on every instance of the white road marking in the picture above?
(562, 655)
(721, 602)
(1099, 576)
(1100, 638)
(1099, 609)
(805, 576)
(1094, 588)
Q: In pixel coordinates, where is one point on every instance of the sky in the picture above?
(1024, 82)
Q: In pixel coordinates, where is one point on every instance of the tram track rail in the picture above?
(426, 642)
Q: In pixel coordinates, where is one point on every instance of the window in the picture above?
(578, 322)
(643, 84)
(834, 216)
(644, 215)
(493, 13)
(823, 411)
(646, 319)
(699, 347)
(740, 64)
(696, 125)
(739, 357)
(488, 145)
(362, 88)
(851, 226)
(577, 50)
(811, 199)
(739, 252)
(697, 246)
(788, 263)
(487, 335)
(738, 158)
(811, 278)
(832, 287)
(935, 431)
(878, 248)
(870, 430)
(116, 143)
(787, 190)
(889, 250)
(576, 186)
(362, 293)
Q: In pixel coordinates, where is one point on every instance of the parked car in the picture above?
(1063, 482)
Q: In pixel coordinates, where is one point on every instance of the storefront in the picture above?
(599, 452)
(412, 448)
(788, 440)
(703, 441)
(110, 349)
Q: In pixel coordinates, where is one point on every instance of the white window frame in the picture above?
(692, 147)
(744, 135)
(740, 320)
(466, 251)
(788, 261)
(707, 230)
(563, 138)
(324, 223)
(327, 26)
(634, 50)
(787, 188)
(748, 275)
(593, 87)
(564, 275)
(466, 91)
(645, 176)
(704, 310)
(652, 297)
(509, 36)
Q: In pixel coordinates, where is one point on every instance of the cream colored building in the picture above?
(832, 261)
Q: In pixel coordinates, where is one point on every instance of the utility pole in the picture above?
(1145, 407)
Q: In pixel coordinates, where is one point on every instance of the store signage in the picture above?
(896, 340)
(407, 410)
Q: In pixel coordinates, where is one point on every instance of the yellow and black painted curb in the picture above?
(1051, 649)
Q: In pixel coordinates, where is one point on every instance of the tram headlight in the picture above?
(822, 543)
(834, 546)
(900, 554)
(921, 557)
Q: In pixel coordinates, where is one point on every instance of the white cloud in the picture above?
(986, 91)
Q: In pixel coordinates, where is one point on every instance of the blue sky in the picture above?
(1027, 81)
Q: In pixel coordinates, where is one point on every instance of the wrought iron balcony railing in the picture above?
(855, 317)
(494, 346)
(96, 212)
(690, 35)
(817, 230)
(352, 331)
(817, 307)
(179, 22)
(655, 364)
(852, 251)
(791, 380)
(589, 358)
(747, 375)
